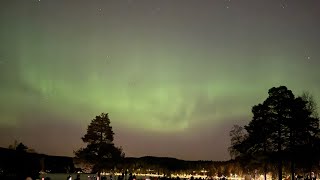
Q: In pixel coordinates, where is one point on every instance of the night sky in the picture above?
(174, 75)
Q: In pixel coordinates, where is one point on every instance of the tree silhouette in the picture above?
(310, 146)
(260, 129)
(100, 150)
(282, 128)
(237, 135)
(311, 104)
(278, 103)
(21, 148)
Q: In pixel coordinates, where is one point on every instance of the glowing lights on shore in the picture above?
(183, 176)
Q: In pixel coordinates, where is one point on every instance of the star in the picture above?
(107, 59)
(283, 4)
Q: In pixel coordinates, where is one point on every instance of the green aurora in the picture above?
(164, 72)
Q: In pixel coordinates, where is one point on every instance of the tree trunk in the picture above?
(292, 169)
(265, 171)
(279, 150)
(265, 161)
(310, 170)
(279, 155)
(280, 169)
(292, 144)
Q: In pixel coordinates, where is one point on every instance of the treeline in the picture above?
(149, 164)
(19, 164)
(168, 166)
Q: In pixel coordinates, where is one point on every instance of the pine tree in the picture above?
(21, 148)
(100, 150)
(284, 128)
